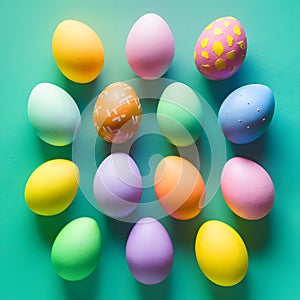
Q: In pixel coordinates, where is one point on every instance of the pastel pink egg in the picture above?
(247, 188)
(221, 49)
(150, 47)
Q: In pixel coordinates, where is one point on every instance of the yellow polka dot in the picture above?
(242, 57)
(237, 30)
(230, 40)
(231, 18)
(220, 64)
(208, 27)
(205, 54)
(241, 45)
(220, 19)
(207, 67)
(218, 31)
(227, 24)
(230, 55)
(231, 68)
(204, 42)
(195, 55)
(218, 48)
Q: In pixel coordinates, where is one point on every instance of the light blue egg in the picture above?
(246, 113)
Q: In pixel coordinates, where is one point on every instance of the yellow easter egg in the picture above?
(78, 51)
(52, 187)
(221, 253)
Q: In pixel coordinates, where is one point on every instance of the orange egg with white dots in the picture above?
(221, 49)
(117, 113)
(179, 187)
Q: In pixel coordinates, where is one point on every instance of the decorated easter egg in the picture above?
(180, 114)
(76, 249)
(247, 188)
(78, 51)
(117, 113)
(246, 113)
(149, 251)
(53, 114)
(179, 187)
(52, 187)
(221, 253)
(221, 49)
(150, 47)
(118, 185)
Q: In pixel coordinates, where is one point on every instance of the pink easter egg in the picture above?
(247, 188)
(150, 47)
(221, 49)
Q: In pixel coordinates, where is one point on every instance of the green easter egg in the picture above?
(76, 249)
(180, 114)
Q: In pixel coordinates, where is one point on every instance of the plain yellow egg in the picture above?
(221, 253)
(52, 187)
(78, 51)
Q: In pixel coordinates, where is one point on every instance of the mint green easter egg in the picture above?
(76, 249)
(180, 114)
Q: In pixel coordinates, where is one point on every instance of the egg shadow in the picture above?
(257, 234)
(237, 292)
(78, 290)
(160, 291)
(50, 226)
(50, 152)
(118, 229)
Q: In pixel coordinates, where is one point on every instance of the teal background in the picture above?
(273, 243)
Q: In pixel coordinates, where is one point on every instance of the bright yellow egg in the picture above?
(78, 51)
(221, 253)
(52, 187)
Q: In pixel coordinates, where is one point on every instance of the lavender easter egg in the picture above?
(118, 185)
(221, 49)
(149, 251)
(150, 47)
(247, 188)
(246, 113)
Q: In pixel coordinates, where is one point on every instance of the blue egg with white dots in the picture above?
(246, 113)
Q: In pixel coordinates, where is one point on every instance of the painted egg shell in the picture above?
(52, 187)
(246, 113)
(118, 185)
(247, 188)
(221, 49)
(53, 114)
(179, 187)
(221, 253)
(180, 114)
(76, 249)
(149, 251)
(150, 47)
(78, 51)
(117, 113)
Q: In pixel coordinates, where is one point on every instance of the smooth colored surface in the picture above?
(149, 251)
(118, 185)
(150, 47)
(221, 253)
(76, 249)
(179, 187)
(52, 187)
(78, 51)
(180, 115)
(221, 48)
(53, 114)
(246, 113)
(117, 113)
(247, 188)
(273, 242)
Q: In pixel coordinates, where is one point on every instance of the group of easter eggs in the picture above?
(180, 189)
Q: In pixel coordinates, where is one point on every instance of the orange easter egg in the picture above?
(179, 187)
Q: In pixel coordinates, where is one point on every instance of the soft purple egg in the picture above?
(149, 251)
(118, 185)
